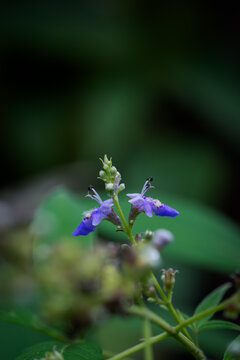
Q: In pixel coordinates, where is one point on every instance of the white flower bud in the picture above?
(113, 170)
(102, 174)
(121, 187)
(109, 187)
(150, 256)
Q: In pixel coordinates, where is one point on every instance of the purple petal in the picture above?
(148, 208)
(133, 195)
(105, 207)
(84, 228)
(96, 217)
(164, 210)
(138, 202)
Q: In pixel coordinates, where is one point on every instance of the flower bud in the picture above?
(161, 238)
(148, 235)
(149, 256)
(113, 170)
(102, 174)
(121, 187)
(168, 279)
(109, 186)
(106, 161)
(151, 300)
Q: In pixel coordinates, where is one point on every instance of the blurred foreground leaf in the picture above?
(233, 351)
(83, 351)
(26, 318)
(56, 218)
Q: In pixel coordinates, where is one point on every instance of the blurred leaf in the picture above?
(83, 351)
(56, 218)
(111, 112)
(26, 318)
(219, 324)
(203, 237)
(210, 300)
(233, 350)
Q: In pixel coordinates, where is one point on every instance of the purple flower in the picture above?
(93, 217)
(141, 203)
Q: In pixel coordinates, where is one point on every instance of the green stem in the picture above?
(192, 348)
(108, 354)
(168, 303)
(147, 333)
(204, 313)
(173, 330)
(138, 347)
(126, 227)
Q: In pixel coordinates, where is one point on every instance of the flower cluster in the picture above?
(139, 202)
(80, 286)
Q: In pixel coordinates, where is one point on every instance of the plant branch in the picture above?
(168, 304)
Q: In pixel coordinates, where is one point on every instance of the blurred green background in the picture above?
(154, 85)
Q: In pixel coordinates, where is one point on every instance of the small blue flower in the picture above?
(93, 217)
(141, 203)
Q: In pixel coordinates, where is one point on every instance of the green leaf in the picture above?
(233, 350)
(202, 235)
(28, 319)
(83, 351)
(56, 218)
(219, 324)
(210, 300)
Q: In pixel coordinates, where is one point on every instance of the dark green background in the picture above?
(154, 85)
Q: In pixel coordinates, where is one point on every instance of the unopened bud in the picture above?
(102, 174)
(161, 238)
(151, 300)
(149, 256)
(109, 187)
(113, 170)
(168, 278)
(106, 161)
(148, 235)
(121, 187)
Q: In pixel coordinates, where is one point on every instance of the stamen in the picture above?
(95, 196)
(147, 185)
